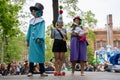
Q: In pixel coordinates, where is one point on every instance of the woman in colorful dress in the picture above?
(78, 45)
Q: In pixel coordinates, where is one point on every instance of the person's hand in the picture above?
(85, 30)
(38, 40)
(51, 28)
(75, 24)
(74, 34)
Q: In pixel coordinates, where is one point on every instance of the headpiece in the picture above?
(38, 6)
(78, 17)
(60, 19)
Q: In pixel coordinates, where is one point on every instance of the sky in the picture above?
(101, 8)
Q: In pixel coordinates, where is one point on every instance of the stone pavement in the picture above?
(88, 76)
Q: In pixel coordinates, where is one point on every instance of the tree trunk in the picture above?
(55, 11)
(2, 57)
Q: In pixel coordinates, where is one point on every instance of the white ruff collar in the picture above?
(34, 21)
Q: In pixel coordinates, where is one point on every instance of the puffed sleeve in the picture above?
(41, 31)
(52, 33)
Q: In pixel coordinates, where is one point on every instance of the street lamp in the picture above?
(108, 34)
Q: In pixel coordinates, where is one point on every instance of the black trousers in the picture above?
(41, 65)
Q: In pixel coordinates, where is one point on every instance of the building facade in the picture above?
(107, 36)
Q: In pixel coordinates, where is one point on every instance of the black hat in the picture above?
(38, 6)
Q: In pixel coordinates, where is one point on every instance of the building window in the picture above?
(118, 43)
(98, 45)
(115, 43)
(101, 44)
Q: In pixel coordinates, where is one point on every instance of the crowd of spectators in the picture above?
(14, 68)
(102, 67)
(22, 68)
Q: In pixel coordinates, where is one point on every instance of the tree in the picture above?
(9, 22)
(89, 19)
(16, 50)
(55, 11)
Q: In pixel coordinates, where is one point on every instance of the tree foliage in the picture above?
(48, 44)
(89, 19)
(9, 23)
(16, 49)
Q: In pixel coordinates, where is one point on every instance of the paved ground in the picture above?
(88, 76)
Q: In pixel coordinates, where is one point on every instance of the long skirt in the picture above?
(77, 49)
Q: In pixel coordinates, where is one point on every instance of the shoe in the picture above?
(43, 75)
(30, 74)
(55, 73)
(63, 73)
